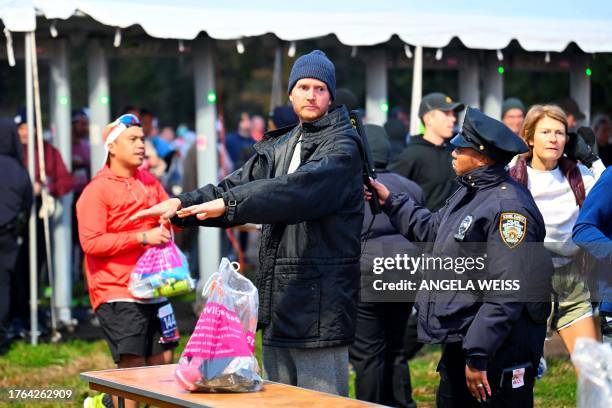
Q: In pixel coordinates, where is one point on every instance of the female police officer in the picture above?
(492, 339)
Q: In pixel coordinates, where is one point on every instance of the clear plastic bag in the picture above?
(594, 360)
(161, 271)
(219, 356)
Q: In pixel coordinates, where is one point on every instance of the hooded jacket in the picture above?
(309, 254)
(108, 238)
(15, 186)
(430, 167)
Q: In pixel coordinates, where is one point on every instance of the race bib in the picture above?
(169, 329)
(518, 378)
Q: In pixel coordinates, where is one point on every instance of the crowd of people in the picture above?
(533, 179)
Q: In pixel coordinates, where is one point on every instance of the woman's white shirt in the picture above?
(557, 203)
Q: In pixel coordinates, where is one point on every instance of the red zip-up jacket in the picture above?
(108, 238)
(59, 179)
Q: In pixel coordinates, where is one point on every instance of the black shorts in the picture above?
(132, 328)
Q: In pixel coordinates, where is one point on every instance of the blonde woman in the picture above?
(559, 185)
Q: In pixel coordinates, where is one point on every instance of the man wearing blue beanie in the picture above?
(315, 65)
(304, 186)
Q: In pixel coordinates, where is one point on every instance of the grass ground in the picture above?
(58, 366)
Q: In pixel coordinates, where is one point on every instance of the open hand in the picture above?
(209, 209)
(165, 210)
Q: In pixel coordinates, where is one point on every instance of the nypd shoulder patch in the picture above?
(512, 228)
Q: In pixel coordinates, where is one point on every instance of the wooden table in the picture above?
(155, 385)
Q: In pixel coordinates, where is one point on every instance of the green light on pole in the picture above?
(501, 70)
(588, 72)
(384, 107)
(104, 100)
(63, 100)
(212, 97)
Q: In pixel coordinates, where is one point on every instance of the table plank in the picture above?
(156, 385)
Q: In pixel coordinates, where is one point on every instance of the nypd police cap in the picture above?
(489, 137)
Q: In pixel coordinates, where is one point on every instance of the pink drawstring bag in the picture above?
(161, 271)
(219, 356)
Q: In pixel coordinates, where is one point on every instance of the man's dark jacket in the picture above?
(430, 167)
(380, 239)
(309, 254)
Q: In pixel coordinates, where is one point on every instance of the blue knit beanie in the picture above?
(314, 65)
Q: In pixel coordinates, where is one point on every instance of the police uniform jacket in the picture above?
(490, 213)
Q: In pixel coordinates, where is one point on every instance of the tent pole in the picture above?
(31, 170)
(376, 87)
(469, 81)
(276, 98)
(493, 84)
(417, 90)
(580, 86)
(99, 101)
(47, 206)
(209, 244)
(62, 220)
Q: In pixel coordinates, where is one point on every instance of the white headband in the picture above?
(118, 128)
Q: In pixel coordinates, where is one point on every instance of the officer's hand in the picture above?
(210, 209)
(578, 148)
(477, 383)
(165, 210)
(383, 192)
(154, 236)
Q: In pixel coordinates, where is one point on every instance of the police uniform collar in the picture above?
(485, 176)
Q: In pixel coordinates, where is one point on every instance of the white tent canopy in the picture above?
(538, 26)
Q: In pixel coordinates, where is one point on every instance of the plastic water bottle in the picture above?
(146, 288)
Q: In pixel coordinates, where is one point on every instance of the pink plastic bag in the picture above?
(161, 271)
(219, 355)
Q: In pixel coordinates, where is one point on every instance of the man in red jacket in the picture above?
(112, 245)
